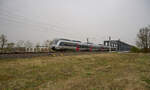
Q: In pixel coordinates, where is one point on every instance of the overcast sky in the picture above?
(39, 20)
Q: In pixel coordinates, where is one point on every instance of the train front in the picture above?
(53, 45)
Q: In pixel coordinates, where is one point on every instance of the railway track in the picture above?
(35, 54)
(21, 55)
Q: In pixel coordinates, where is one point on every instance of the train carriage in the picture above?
(66, 44)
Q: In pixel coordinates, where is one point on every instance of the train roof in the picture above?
(76, 41)
(64, 39)
(68, 40)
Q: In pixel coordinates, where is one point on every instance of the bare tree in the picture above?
(10, 47)
(20, 46)
(143, 38)
(47, 43)
(28, 44)
(149, 37)
(20, 43)
(38, 47)
(3, 41)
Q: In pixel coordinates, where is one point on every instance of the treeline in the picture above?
(143, 41)
(142, 44)
(22, 46)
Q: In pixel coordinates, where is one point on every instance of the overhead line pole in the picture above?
(109, 44)
(87, 40)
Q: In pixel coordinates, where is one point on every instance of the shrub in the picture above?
(135, 49)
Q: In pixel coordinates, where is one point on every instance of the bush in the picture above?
(138, 50)
(135, 49)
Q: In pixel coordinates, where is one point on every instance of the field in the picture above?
(110, 71)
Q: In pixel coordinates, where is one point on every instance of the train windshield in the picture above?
(55, 41)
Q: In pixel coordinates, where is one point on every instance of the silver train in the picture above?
(66, 44)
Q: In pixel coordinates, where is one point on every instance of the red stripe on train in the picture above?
(90, 48)
(77, 48)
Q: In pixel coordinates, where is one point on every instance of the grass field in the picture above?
(77, 72)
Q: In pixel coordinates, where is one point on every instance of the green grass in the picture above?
(125, 71)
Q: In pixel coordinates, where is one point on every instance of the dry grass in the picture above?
(82, 72)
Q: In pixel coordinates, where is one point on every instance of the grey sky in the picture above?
(39, 20)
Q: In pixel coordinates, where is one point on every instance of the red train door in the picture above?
(77, 47)
(91, 48)
(102, 49)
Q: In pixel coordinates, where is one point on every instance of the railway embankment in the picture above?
(53, 54)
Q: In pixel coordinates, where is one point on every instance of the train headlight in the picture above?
(53, 48)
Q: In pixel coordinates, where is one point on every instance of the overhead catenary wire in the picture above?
(8, 10)
(26, 18)
(44, 27)
(14, 19)
(41, 29)
(29, 22)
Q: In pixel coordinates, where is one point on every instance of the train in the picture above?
(74, 45)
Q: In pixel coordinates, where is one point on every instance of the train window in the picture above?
(55, 41)
(62, 44)
(83, 46)
(74, 44)
(86, 46)
(79, 46)
(68, 44)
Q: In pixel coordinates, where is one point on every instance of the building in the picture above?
(120, 45)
